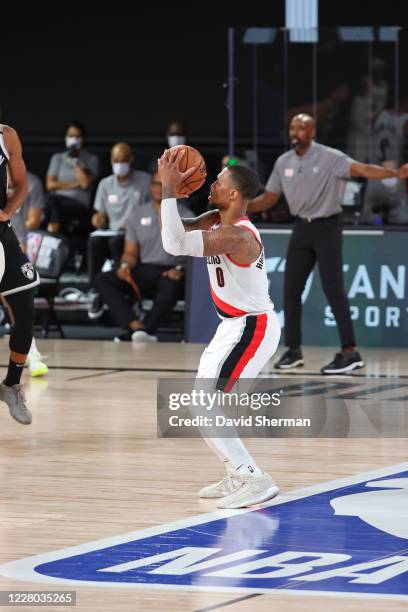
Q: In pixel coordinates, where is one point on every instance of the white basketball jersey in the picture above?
(387, 142)
(238, 289)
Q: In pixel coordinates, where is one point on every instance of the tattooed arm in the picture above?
(232, 239)
(177, 241)
(227, 239)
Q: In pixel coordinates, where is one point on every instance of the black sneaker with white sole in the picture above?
(96, 309)
(343, 363)
(292, 358)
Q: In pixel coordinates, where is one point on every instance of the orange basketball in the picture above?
(191, 158)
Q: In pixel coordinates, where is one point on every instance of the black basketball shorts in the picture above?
(17, 273)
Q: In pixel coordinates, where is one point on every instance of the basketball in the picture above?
(191, 158)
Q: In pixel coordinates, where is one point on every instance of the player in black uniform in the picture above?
(18, 276)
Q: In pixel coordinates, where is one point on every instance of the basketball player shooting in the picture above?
(249, 331)
(17, 275)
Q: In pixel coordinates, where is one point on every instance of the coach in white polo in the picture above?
(308, 175)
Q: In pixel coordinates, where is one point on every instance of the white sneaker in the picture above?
(37, 368)
(16, 402)
(229, 484)
(253, 490)
(142, 336)
(36, 365)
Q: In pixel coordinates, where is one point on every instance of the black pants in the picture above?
(321, 241)
(66, 212)
(101, 248)
(152, 284)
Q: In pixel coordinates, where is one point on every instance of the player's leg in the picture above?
(22, 307)
(263, 333)
(18, 279)
(240, 348)
(35, 359)
(228, 336)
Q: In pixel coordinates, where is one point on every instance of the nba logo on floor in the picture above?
(347, 537)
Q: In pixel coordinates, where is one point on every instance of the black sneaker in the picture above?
(343, 363)
(292, 358)
(96, 309)
(124, 336)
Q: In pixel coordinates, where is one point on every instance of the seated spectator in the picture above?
(115, 197)
(28, 216)
(146, 270)
(69, 179)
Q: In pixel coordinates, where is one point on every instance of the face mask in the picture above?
(121, 168)
(73, 141)
(176, 140)
(390, 182)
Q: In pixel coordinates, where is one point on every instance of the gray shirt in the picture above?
(310, 182)
(35, 199)
(115, 199)
(63, 167)
(142, 226)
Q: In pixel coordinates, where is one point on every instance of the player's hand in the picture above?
(402, 172)
(169, 171)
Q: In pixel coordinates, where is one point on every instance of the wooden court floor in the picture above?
(90, 466)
